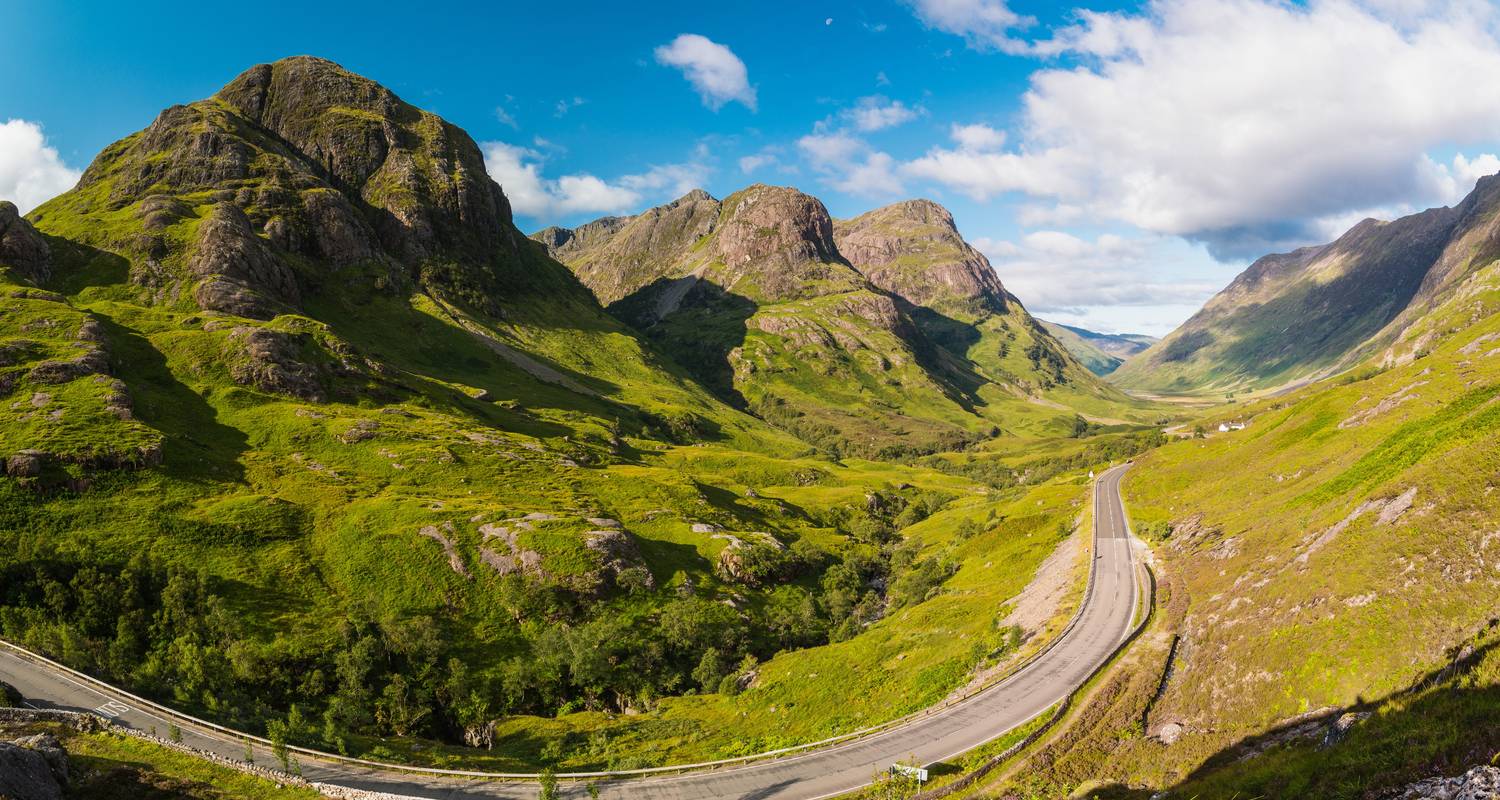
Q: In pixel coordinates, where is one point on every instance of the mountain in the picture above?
(1294, 317)
(886, 333)
(1102, 353)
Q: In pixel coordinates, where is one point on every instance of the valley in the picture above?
(312, 459)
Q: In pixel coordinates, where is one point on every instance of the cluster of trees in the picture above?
(172, 632)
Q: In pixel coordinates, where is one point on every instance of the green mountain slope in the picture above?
(1102, 353)
(1310, 313)
(879, 335)
(1336, 555)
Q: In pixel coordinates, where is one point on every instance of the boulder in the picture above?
(34, 768)
(26, 464)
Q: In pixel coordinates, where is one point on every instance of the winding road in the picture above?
(1103, 623)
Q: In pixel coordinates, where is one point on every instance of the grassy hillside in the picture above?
(1337, 555)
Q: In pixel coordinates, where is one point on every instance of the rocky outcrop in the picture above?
(618, 559)
(1479, 783)
(92, 360)
(275, 361)
(33, 768)
(913, 250)
(238, 272)
(22, 248)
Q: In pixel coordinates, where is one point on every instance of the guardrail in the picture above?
(702, 766)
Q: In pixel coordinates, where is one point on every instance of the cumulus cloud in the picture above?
(848, 164)
(31, 172)
(1054, 272)
(977, 138)
(712, 68)
(1181, 121)
(877, 112)
(518, 170)
(984, 24)
(758, 161)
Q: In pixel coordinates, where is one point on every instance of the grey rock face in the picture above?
(21, 247)
(240, 274)
(913, 250)
(425, 174)
(33, 768)
(1479, 783)
(272, 361)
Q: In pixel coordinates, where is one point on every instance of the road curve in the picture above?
(1105, 620)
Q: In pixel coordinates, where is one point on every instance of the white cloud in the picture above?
(713, 69)
(1054, 272)
(985, 24)
(31, 172)
(1460, 176)
(874, 176)
(1249, 125)
(830, 148)
(877, 112)
(752, 163)
(674, 179)
(848, 164)
(518, 170)
(977, 138)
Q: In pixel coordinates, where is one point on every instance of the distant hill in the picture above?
(1102, 353)
(1294, 317)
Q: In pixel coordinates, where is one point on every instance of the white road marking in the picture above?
(112, 709)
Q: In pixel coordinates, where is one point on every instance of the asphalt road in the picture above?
(1105, 621)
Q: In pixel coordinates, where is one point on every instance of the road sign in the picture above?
(920, 773)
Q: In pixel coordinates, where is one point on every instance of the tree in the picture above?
(276, 732)
(709, 671)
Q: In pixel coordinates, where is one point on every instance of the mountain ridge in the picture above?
(1294, 317)
(909, 293)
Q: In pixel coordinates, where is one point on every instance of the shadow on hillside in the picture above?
(941, 345)
(1317, 326)
(1444, 723)
(696, 322)
(195, 445)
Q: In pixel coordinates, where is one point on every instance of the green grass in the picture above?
(1277, 626)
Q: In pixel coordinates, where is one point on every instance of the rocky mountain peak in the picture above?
(775, 224)
(693, 196)
(913, 249)
(322, 165)
(426, 174)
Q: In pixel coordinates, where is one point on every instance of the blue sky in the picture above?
(1117, 162)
